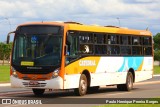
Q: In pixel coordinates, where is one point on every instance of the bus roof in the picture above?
(93, 28)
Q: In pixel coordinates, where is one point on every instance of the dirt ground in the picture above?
(5, 62)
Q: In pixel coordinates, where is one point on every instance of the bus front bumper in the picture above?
(56, 83)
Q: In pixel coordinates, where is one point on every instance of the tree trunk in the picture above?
(3, 59)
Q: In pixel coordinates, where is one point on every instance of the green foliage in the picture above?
(156, 39)
(157, 55)
(5, 50)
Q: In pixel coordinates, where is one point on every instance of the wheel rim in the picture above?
(83, 86)
(130, 83)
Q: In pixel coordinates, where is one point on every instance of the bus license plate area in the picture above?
(33, 83)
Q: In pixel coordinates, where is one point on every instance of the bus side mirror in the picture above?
(8, 37)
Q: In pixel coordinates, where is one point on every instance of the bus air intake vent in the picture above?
(34, 84)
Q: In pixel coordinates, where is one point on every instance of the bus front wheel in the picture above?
(82, 89)
(38, 92)
(128, 85)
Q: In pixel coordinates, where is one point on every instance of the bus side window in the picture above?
(135, 40)
(68, 43)
(125, 50)
(100, 49)
(124, 40)
(67, 48)
(114, 39)
(72, 44)
(147, 50)
(147, 41)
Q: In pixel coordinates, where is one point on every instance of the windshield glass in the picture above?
(37, 49)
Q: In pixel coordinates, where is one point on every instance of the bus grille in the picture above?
(39, 79)
(27, 84)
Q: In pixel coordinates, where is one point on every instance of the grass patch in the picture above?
(156, 69)
(4, 73)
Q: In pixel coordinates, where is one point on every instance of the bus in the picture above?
(71, 55)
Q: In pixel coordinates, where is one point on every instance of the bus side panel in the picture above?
(107, 72)
(71, 81)
(146, 71)
(103, 71)
(113, 70)
(100, 79)
(74, 70)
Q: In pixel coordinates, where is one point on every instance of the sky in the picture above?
(134, 14)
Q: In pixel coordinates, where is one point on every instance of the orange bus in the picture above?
(70, 55)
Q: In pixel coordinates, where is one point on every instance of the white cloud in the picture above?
(146, 1)
(132, 13)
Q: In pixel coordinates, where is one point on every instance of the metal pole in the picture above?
(119, 21)
(9, 23)
(9, 29)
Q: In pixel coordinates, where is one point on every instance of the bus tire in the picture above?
(129, 83)
(82, 89)
(38, 92)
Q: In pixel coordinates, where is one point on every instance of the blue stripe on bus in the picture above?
(131, 62)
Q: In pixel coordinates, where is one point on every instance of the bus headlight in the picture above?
(14, 73)
(55, 73)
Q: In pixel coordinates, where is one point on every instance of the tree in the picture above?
(5, 50)
(156, 39)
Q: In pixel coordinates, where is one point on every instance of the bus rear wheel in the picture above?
(128, 85)
(38, 92)
(82, 90)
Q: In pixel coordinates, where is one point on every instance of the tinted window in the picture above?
(100, 49)
(113, 39)
(99, 38)
(147, 41)
(136, 50)
(37, 29)
(135, 41)
(124, 40)
(113, 50)
(147, 51)
(41, 50)
(85, 37)
(125, 50)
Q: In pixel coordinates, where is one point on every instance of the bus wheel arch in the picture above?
(84, 83)
(133, 73)
(130, 78)
(86, 72)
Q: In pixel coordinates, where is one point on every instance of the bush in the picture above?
(5, 50)
(157, 55)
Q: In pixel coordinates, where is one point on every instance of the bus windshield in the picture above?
(37, 49)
